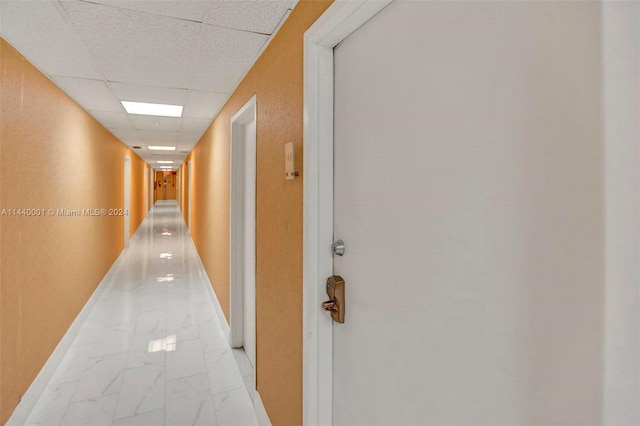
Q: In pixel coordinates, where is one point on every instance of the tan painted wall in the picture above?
(277, 79)
(53, 155)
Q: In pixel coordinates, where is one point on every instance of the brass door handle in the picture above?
(335, 304)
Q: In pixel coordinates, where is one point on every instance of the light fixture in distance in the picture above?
(144, 108)
(161, 148)
(164, 161)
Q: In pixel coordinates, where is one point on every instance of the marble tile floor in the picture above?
(151, 349)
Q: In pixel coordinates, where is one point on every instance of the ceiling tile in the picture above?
(149, 122)
(225, 57)
(185, 9)
(89, 94)
(153, 94)
(158, 136)
(134, 47)
(190, 137)
(129, 136)
(195, 125)
(40, 32)
(204, 104)
(261, 16)
(112, 120)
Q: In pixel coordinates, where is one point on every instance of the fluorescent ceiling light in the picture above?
(162, 148)
(143, 108)
(164, 161)
(166, 167)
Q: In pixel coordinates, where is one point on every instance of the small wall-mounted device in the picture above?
(289, 162)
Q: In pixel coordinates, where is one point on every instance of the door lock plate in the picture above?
(336, 302)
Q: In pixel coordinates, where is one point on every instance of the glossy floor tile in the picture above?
(151, 350)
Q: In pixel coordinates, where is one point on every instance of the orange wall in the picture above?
(277, 79)
(53, 155)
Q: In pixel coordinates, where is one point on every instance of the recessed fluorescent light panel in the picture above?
(162, 148)
(164, 161)
(143, 108)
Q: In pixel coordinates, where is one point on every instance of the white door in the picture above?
(178, 200)
(127, 199)
(243, 230)
(466, 190)
(147, 190)
(152, 185)
(189, 193)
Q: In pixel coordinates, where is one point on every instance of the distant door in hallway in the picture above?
(243, 230)
(127, 199)
(166, 185)
(466, 203)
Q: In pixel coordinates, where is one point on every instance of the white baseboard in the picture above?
(214, 298)
(261, 412)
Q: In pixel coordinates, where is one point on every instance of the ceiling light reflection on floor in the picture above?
(166, 255)
(166, 278)
(165, 231)
(167, 344)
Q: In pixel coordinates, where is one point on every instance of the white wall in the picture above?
(621, 71)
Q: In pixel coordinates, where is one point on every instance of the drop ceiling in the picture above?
(187, 52)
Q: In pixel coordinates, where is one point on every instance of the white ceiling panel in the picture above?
(190, 137)
(112, 120)
(260, 16)
(184, 9)
(155, 155)
(129, 136)
(158, 136)
(46, 38)
(90, 94)
(150, 122)
(226, 55)
(195, 125)
(134, 47)
(153, 94)
(204, 104)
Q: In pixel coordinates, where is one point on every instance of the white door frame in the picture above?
(237, 268)
(178, 187)
(151, 178)
(127, 200)
(146, 190)
(337, 23)
(189, 193)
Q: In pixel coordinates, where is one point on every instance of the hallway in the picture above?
(439, 198)
(148, 349)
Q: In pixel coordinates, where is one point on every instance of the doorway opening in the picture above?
(243, 231)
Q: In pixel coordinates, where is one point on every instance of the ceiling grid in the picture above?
(189, 52)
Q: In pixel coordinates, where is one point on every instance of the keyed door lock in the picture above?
(335, 304)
